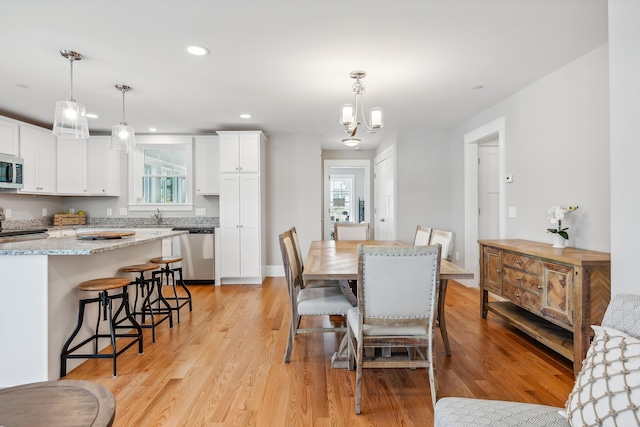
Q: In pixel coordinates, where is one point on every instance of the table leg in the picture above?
(441, 318)
(340, 358)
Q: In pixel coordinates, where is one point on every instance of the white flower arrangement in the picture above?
(556, 214)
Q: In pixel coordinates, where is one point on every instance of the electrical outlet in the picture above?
(44, 211)
(123, 211)
(109, 212)
(72, 210)
(7, 213)
(201, 211)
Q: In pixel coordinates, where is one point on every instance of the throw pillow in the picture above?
(607, 389)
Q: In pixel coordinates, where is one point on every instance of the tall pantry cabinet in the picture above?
(242, 245)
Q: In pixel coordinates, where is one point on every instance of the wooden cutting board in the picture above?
(104, 235)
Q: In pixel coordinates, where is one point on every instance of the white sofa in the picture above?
(621, 344)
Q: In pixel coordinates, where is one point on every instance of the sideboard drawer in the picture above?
(523, 298)
(524, 263)
(521, 279)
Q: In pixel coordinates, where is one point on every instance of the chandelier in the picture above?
(122, 135)
(349, 112)
(71, 117)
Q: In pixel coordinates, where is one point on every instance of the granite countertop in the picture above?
(73, 246)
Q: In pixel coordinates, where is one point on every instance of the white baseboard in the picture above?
(274, 271)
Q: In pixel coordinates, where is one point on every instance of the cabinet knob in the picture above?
(517, 295)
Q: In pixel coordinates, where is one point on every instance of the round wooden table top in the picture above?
(57, 403)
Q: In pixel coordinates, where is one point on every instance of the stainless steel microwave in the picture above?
(10, 172)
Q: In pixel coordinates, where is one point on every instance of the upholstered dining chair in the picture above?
(397, 294)
(316, 301)
(300, 258)
(445, 239)
(423, 236)
(349, 231)
(606, 391)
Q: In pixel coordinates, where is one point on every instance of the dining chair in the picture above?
(316, 301)
(423, 236)
(350, 231)
(445, 239)
(300, 258)
(397, 294)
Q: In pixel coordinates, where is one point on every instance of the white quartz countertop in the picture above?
(74, 246)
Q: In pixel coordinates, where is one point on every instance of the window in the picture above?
(161, 167)
(341, 204)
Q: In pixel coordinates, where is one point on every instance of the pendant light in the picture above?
(123, 137)
(349, 117)
(71, 117)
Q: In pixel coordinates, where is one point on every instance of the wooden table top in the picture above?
(57, 403)
(338, 260)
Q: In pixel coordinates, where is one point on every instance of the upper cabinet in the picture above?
(87, 167)
(240, 151)
(103, 167)
(207, 164)
(71, 158)
(38, 149)
(9, 137)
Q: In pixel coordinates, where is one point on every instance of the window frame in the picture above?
(136, 171)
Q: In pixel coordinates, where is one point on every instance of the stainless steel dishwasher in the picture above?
(197, 251)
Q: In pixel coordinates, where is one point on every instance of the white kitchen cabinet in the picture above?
(240, 151)
(207, 163)
(71, 161)
(38, 149)
(9, 137)
(242, 212)
(103, 167)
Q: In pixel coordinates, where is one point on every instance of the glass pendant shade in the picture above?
(123, 137)
(351, 142)
(70, 120)
(376, 118)
(346, 115)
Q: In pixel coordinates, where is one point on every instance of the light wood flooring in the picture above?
(223, 366)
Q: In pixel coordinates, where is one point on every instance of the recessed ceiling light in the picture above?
(198, 50)
(245, 116)
(152, 129)
(92, 116)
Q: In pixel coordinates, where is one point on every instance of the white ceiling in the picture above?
(285, 62)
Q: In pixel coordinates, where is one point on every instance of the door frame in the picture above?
(388, 153)
(471, 140)
(345, 163)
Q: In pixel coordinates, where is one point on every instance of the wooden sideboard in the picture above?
(552, 295)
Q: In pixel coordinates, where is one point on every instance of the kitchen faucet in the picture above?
(158, 217)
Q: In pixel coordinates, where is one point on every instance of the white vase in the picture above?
(558, 240)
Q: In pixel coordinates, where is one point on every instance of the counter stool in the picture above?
(152, 307)
(103, 286)
(170, 279)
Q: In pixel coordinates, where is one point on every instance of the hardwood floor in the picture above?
(223, 366)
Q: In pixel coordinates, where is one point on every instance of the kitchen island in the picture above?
(39, 303)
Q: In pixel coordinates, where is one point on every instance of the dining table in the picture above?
(338, 260)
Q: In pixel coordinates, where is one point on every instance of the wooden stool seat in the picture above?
(139, 268)
(166, 259)
(104, 284)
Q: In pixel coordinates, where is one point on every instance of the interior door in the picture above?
(384, 188)
(488, 190)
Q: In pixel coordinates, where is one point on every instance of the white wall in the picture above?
(294, 191)
(624, 69)
(557, 148)
(423, 182)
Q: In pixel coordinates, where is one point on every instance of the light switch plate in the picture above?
(7, 213)
(123, 211)
(512, 211)
(44, 211)
(109, 212)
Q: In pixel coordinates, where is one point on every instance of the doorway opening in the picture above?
(493, 134)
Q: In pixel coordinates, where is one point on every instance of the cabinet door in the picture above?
(103, 167)
(37, 148)
(249, 225)
(9, 137)
(71, 158)
(207, 161)
(249, 147)
(230, 226)
(557, 283)
(229, 153)
(493, 270)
